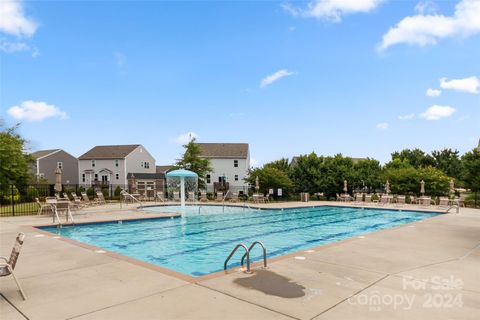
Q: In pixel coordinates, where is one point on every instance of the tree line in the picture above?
(326, 174)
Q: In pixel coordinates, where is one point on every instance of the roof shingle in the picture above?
(224, 150)
(108, 152)
(43, 153)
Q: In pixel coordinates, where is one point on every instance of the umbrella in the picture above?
(387, 187)
(452, 187)
(257, 184)
(58, 180)
(345, 186)
(422, 187)
(133, 184)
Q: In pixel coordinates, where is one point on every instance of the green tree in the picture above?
(471, 171)
(368, 174)
(448, 161)
(416, 157)
(13, 160)
(270, 177)
(306, 174)
(281, 164)
(191, 160)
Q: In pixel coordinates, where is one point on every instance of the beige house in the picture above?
(230, 163)
(46, 161)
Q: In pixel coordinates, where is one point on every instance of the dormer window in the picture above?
(235, 163)
(93, 163)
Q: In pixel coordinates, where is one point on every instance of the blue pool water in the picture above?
(198, 243)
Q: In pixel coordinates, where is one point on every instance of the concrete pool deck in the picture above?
(428, 269)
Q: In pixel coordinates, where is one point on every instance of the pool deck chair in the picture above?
(62, 206)
(358, 198)
(86, 199)
(219, 196)
(160, 196)
(100, 198)
(368, 198)
(176, 196)
(203, 196)
(400, 201)
(191, 196)
(443, 203)
(425, 201)
(234, 197)
(43, 206)
(8, 265)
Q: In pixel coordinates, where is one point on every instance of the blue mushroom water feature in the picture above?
(185, 179)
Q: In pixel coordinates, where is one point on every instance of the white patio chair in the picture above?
(8, 265)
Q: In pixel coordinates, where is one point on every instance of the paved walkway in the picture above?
(429, 269)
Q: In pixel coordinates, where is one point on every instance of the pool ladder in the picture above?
(247, 254)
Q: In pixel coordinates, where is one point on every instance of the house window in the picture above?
(116, 163)
(235, 163)
(96, 177)
(93, 163)
(208, 178)
(117, 176)
(147, 165)
(83, 177)
(60, 165)
(236, 177)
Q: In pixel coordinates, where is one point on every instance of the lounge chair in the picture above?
(339, 198)
(100, 197)
(258, 198)
(219, 196)
(191, 196)
(443, 202)
(384, 200)
(160, 196)
(176, 196)
(368, 198)
(8, 265)
(234, 197)
(42, 206)
(76, 200)
(86, 199)
(358, 198)
(400, 201)
(266, 198)
(62, 206)
(203, 196)
(425, 201)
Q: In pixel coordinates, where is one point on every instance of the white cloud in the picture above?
(185, 138)
(470, 84)
(254, 163)
(35, 111)
(426, 7)
(407, 116)
(268, 80)
(14, 21)
(428, 29)
(332, 10)
(433, 92)
(17, 46)
(382, 126)
(437, 112)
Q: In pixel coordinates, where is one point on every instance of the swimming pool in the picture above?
(199, 243)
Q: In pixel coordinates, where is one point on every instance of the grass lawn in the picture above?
(26, 208)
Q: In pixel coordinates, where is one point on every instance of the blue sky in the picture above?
(330, 76)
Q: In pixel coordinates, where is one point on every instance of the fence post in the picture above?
(13, 201)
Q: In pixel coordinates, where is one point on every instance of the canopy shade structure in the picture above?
(182, 173)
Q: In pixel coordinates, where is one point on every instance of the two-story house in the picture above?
(115, 165)
(46, 161)
(230, 163)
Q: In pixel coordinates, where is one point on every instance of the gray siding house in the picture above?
(46, 161)
(230, 163)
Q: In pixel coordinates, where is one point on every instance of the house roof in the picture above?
(42, 153)
(109, 152)
(164, 169)
(224, 150)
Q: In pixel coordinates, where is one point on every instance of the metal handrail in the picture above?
(233, 252)
(125, 193)
(264, 252)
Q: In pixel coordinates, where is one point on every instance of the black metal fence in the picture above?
(19, 200)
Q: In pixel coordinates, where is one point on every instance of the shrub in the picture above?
(90, 192)
(32, 193)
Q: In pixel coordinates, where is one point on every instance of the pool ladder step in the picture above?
(247, 254)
